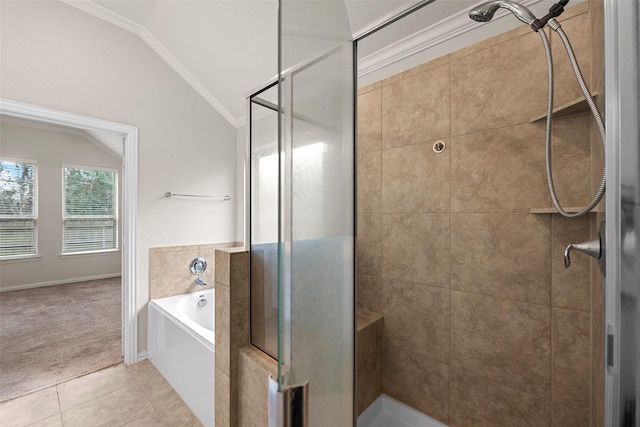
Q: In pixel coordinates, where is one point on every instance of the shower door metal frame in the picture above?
(622, 283)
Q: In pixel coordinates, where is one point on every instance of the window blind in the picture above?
(89, 222)
(18, 209)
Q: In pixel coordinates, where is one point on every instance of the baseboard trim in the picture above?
(142, 356)
(58, 282)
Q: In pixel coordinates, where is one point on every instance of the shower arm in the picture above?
(554, 11)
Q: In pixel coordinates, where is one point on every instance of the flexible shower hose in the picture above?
(554, 25)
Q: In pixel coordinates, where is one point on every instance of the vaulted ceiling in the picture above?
(227, 48)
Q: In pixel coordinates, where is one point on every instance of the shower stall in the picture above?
(437, 217)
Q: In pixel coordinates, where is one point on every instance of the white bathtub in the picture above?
(180, 344)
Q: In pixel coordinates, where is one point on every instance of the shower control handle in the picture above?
(591, 248)
(594, 248)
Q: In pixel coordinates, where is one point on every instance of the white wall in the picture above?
(56, 56)
(52, 148)
(241, 148)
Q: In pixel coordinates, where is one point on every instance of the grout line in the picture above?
(551, 353)
(381, 148)
(59, 405)
(501, 383)
(552, 224)
(449, 215)
(509, 125)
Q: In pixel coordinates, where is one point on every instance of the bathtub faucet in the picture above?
(200, 282)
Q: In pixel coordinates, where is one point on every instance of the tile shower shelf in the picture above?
(553, 210)
(576, 106)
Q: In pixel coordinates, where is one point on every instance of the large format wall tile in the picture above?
(223, 415)
(369, 293)
(477, 401)
(366, 326)
(369, 182)
(416, 381)
(571, 358)
(415, 248)
(570, 287)
(572, 160)
(169, 272)
(578, 31)
(520, 30)
(369, 383)
(507, 341)
(504, 255)
(434, 63)
(370, 121)
(415, 179)
(250, 414)
(501, 170)
(223, 329)
(369, 244)
(416, 318)
(369, 88)
(416, 109)
(254, 368)
(498, 86)
(563, 416)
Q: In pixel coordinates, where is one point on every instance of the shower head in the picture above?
(485, 11)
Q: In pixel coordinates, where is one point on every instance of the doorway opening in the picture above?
(126, 136)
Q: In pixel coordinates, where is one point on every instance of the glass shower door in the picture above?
(316, 210)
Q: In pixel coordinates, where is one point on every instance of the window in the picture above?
(18, 208)
(89, 210)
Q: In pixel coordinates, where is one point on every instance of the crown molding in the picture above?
(155, 44)
(425, 39)
(384, 19)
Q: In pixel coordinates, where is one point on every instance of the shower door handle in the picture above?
(594, 248)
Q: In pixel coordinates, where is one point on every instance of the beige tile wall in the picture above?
(483, 325)
(369, 358)
(232, 330)
(255, 367)
(169, 272)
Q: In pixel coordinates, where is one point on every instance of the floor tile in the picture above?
(30, 409)
(53, 421)
(114, 409)
(92, 386)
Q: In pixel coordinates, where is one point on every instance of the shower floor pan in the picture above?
(386, 412)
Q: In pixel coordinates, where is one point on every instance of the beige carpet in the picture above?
(57, 333)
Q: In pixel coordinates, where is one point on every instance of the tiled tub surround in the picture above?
(483, 325)
(169, 272)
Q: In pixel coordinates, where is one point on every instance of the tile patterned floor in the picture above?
(132, 396)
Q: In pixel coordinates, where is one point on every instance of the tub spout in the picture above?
(200, 282)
